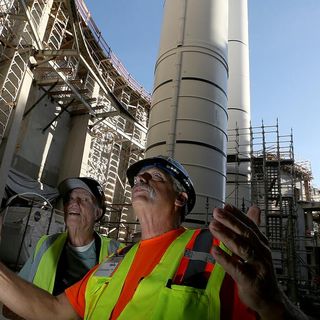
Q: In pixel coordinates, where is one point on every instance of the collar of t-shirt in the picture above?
(81, 248)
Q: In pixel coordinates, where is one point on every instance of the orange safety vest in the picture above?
(157, 296)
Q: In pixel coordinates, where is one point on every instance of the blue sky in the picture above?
(284, 60)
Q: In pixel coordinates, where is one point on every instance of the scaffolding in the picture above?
(59, 44)
(16, 48)
(279, 185)
(273, 182)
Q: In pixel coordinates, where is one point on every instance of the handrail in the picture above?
(117, 64)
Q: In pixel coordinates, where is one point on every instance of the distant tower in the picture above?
(238, 168)
(188, 119)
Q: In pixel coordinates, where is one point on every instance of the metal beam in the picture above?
(36, 103)
(119, 106)
(55, 67)
(125, 135)
(56, 53)
(57, 116)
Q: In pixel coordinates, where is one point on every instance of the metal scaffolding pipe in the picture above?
(188, 118)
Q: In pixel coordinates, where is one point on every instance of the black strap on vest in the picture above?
(124, 250)
(195, 275)
(98, 244)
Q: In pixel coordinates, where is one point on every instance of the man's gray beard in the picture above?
(150, 190)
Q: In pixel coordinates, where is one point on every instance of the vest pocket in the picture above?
(182, 302)
(94, 291)
(97, 284)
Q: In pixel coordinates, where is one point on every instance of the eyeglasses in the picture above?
(78, 198)
(155, 176)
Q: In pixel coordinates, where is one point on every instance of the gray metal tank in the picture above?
(188, 118)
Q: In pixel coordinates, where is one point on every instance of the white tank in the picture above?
(188, 119)
(238, 168)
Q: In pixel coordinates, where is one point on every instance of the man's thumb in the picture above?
(254, 213)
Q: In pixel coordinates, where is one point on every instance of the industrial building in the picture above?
(69, 107)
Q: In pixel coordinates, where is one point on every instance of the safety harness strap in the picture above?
(197, 263)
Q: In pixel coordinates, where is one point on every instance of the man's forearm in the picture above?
(31, 302)
(10, 314)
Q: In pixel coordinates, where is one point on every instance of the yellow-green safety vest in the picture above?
(153, 299)
(47, 254)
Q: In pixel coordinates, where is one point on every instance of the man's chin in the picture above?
(72, 218)
(139, 196)
(138, 200)
(142, 193)
(142, 200)
(139, 191)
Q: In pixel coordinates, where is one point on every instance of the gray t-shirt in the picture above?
(79, 261)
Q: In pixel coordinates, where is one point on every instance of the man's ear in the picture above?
(98, 214)
(181, 199)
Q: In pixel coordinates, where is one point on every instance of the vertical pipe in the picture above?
(50, 220)
(188, 118)
(238, 168)
(176, 83)
(23, 236)
(291, 229)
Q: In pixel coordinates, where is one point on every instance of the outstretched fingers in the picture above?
(238, 270)
(241, 223)
(238, 233)
(254, 214)
(250, 263)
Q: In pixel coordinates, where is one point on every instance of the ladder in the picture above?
(58, 28)
(14, 75)
(126, 212)
(112, 172)
(6, 8)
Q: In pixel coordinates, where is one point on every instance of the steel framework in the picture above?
(58, 43)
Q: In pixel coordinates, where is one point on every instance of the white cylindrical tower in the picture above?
(188, 119)
(238, 167)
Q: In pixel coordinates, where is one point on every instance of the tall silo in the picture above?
(238, 167)
(188, 119)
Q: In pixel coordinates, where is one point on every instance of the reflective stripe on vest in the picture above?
(47, 255)
(197, 263)
(42, 246)
(46, 262)
(107, 268)
(154, 298)
(108, 246)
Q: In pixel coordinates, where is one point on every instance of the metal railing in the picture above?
(117, 64)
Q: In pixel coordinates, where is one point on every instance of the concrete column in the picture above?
(8, 144)
(77, 148)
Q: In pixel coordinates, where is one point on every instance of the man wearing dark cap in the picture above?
(172, 273)
(62, 259)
